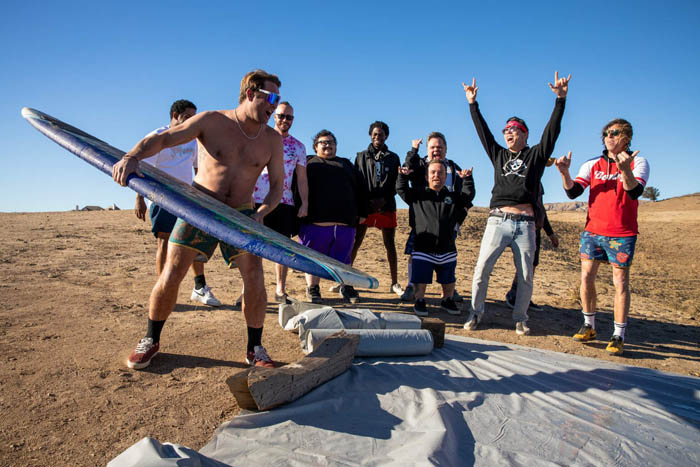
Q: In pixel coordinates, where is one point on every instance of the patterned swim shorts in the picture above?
(615, 250)
(191, 237)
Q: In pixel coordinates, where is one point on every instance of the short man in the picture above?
(379, 168)
(617, 180)
(541, 222)
(234, 146)
(436, 213)
(282, 219)
(177, 161)
(518, 170)
(437, 149)
(337, 203)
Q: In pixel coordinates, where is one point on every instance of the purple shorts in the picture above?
(334, 240)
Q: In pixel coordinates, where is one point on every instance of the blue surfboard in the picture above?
(199, 209)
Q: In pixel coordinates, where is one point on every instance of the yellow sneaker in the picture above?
(615, 346)
(585, 334)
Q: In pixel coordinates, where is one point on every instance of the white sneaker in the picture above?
(521, 328)
(204, 295)
(472, 321)
(397, 289)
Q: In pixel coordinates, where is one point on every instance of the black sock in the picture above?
(154, 329)
(199, 281)
(254, 338)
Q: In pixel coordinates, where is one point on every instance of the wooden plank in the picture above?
(437, 328)
(238, 385)
(271, 387)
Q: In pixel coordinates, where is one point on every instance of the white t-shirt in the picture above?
(177, 161)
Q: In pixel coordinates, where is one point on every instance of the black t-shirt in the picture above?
(337, 192)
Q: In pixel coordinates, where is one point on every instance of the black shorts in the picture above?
(161, 220)
(283, 219)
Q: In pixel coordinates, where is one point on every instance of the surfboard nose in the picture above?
(28, 112)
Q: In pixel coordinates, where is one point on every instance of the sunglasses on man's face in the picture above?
(510, 129)
(285, 117)
(613, 133)
(272, 97)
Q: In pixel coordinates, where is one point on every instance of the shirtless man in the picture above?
(234, 147)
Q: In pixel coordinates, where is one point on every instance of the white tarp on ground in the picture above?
(471, 402)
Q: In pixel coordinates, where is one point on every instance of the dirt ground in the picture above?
(74, 288)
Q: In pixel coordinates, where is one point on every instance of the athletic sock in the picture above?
(199, 281)
(620, 330)
(590, 319)
(254, 338)
(154, 329)
(410, 269)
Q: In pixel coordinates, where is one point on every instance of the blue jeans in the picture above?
(499, 234)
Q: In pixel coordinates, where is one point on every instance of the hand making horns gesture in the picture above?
(563, 163)
(470, 91)
(624, 159)
(561, 85)
(465, 173)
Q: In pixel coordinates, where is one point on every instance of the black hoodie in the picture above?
(379, 169)
(436, 214)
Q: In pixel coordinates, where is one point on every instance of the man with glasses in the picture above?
(379, 168)
(337, 203)
(518, 170)
(282, 219)
(234, 146)
(616, 180)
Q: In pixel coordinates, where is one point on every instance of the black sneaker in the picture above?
(457, 298)
(420, 308)
(450, 306)
(349, 294)
(510, 301)
(313, 294)
(615, 346)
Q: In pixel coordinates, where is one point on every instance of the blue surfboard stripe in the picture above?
(199, 209)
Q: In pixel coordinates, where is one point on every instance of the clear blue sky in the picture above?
(114, 68)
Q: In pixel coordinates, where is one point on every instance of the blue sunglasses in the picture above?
(272, 98)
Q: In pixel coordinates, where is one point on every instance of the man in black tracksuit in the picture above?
(437, 149)
(436, 213)
(379, 168)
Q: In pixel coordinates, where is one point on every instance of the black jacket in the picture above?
(436, 214)
(379, 169)
(417, 179)
(337, 192)
(517, 175)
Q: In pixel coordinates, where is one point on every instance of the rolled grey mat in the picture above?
(399, 321)
(379, 342)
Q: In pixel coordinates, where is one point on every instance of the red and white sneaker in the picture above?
(259, 357)
(143, 354)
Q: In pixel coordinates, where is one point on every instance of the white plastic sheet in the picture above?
(470, 403)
